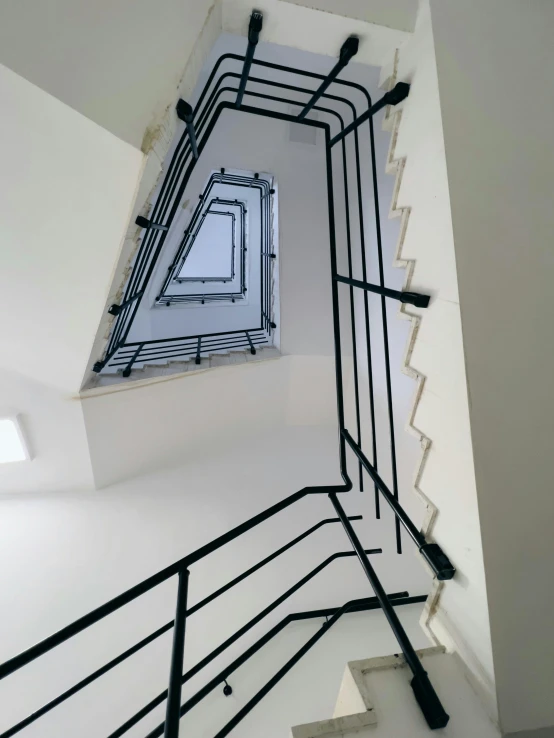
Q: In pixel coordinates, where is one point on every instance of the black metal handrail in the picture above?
(159, 699)
(117, 344)
(165, 628)
(191, 233)
(361, 605)
(332, 615)
(180, 278)
(200, 125)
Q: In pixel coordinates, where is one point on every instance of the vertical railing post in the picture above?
(172, 714)
(336, 313)
(395, 96)
(347, 51)
(252, 349)
(143, 222)
(116, 309)
(254, 28)
(128, 368)
(198, 349)
(185, 113)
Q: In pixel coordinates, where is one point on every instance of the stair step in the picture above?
(379, 691)
(213, 361)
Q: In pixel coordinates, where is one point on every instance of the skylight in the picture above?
(211, 256)
(12, 442)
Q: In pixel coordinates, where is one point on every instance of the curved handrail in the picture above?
(359, 605)
(153, 241)
(164, 629)
(30, 654)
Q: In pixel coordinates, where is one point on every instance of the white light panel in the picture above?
(12, 442)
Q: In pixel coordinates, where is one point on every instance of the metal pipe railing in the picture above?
(425, 694)
(172, 717)
(254, 30)
(409, 298)
(399, 92)
(168, 626)
(116, 309)
(201, 122)
(432, 552)
(186, 114)
(347, 51)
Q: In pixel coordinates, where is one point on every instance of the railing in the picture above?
(224, 278)
(120, 352)
(177, 349)
(200, 125)
(192, 232)
(180, 569)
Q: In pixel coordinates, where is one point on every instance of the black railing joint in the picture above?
(438, 561)
(173, 707)
(255, 27)
(399, 92)
(429, 702)
(347, 51)
(164, 211)
(411, 298)
(393, 97)
(186, 114)
(252, 349)
(184, 111)
(254, 30)
(143, 222)
(127, 371)
(416, 299)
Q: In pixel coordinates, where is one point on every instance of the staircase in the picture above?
(210, 360)
(374, 701)
(451, 685)
(350, 131)
(157, 306)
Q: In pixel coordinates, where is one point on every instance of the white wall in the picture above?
(75, 551)
(54, 427)
(143, 429)
(434, 357)
(400, 14)
(312, 29)
(67, 191)
(495, 79)
(117, 64)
